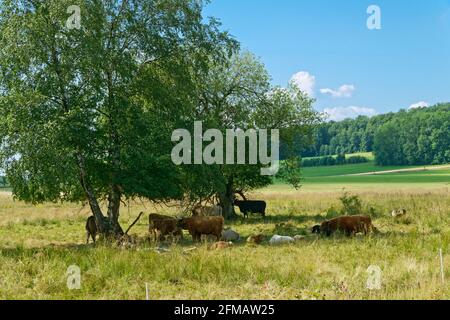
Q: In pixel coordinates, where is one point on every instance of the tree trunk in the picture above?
(113, 210)
(226, 201)
(115, 192)
(100, 220)
(107, 225)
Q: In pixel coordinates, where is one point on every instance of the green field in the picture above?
(328, 171)
(434, 176)
(347, 177)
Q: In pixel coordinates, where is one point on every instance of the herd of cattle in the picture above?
(209, 222)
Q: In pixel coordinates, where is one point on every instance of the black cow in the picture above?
(249, 206)
(316, 229)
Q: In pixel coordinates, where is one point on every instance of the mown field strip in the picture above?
(418, 169)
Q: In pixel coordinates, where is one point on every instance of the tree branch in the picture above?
(135, 221)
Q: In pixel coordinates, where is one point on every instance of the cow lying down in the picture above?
(277, 240)
(350, 225)
(230, 235)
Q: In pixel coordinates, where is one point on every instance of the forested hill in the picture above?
(412, 137)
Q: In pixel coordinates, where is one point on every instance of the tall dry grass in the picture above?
(38, 244)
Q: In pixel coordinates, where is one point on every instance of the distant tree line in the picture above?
(340, 159)
(413, 137)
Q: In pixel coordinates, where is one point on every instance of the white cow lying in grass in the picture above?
(277, 240)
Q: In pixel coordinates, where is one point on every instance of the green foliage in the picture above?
(419, 137)
(238, 95)
(351, 204)
(331, 213)
(356, 159)
(290, 173)
(387, 146)
(413, 137)
(89, 113)
(3, 182)
(333, 161)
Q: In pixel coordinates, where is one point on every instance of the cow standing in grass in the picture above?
(198, 226)
(251, 206)
(164, 226)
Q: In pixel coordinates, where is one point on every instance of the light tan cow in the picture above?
(207, 211)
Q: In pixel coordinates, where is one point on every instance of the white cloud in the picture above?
(341, 113)
(420, 104)
(344, 91)
(305, 82)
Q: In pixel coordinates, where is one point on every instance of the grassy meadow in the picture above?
(39, 243)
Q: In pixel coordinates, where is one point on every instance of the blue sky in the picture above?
(328, 42)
